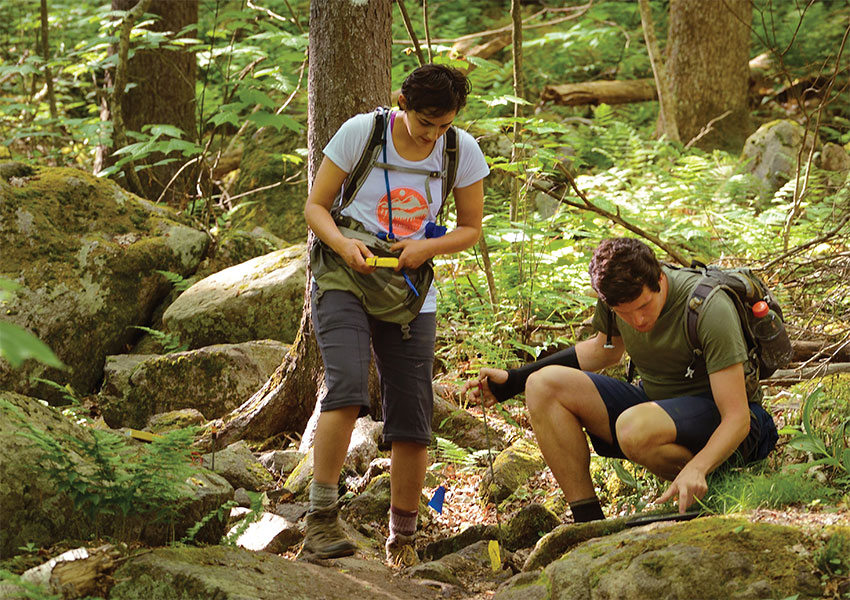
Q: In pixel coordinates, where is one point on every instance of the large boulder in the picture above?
(225, 573)
(86, 254)
(772, 152)
(713, 557)
(259, 299)
(214, 380)
(53, 470)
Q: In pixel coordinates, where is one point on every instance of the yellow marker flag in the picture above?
(495, 559)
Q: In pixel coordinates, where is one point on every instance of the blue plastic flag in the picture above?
(437, 500)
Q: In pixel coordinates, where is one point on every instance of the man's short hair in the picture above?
(435, 90)
(619, 269)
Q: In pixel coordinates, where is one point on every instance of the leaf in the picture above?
(17, 345)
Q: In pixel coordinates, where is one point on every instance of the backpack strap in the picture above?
(367, 159)
(450, 160)
(701, 292)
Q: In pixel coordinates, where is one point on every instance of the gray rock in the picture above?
(529, 525)
(238, 465)
(511, 469)
(227, 573)
(175, 419)
(834, 158)
(86, 254)
(456, 424)
(714, 557)
(214, 380)
(259, 299)
(33, 510)
(469, 563)
(772, 152)
(281, 462)
(269, 533)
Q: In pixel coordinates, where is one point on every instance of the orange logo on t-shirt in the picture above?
(410, 210)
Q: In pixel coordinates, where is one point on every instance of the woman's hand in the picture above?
(479, 390)
(354, 253)
(413, 253)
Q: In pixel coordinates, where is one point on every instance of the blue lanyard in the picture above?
(390, 236)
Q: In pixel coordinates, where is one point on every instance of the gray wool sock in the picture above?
(322, 495)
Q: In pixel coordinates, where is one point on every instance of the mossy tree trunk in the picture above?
(708, 67)
(349, 73)
(163, 93)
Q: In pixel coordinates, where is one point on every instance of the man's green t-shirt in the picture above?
(662, 355)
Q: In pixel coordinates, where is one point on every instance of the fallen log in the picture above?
(600, 92)
(806, 349)
(77, 573)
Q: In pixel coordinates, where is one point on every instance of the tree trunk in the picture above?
(349, 73)
(164, 93)
(708, 66)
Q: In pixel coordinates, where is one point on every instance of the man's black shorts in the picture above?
(696, 418)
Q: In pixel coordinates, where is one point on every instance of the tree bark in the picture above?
(666, 101)
(164, 93)
(708, 65)
(349, 73)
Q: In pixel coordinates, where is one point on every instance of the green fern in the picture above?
(170, 342)
(176, 280)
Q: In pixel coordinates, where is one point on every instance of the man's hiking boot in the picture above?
(401, 552)
(325, 537)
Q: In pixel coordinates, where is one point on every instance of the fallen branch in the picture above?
(558, 190)
(798, 375)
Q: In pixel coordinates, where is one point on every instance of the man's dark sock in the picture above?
(586, 510)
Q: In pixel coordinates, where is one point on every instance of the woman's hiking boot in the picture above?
(325, 537)
(401, 552)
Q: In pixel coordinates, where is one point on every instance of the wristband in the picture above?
(519, 376)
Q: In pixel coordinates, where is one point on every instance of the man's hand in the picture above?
(689, 485)
(478, 389)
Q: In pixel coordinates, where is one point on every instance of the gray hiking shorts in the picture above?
(347, 337)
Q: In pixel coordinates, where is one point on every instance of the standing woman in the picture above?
(398, 201)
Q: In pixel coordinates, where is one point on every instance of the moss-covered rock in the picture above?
(214, 380)
(258, 299)
(511, 469)
(772, 151)
(86, 254)
(713, 557)
(41, 508)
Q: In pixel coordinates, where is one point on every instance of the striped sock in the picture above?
(402, 521)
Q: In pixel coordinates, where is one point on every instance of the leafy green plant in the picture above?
(170, 342)
(16, 343)
(449, 452)
(14, 586)
(830, 449)
(105, 478)
(179, 283)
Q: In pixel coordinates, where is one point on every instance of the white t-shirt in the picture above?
(410, 208)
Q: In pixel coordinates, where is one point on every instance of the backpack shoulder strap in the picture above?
(451, 152)
(364, 164)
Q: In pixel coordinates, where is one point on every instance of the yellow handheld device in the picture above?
(382, 261)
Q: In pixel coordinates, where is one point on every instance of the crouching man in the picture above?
(686, 418)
